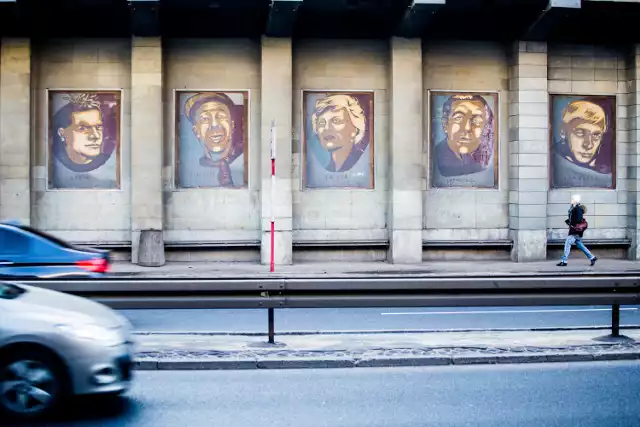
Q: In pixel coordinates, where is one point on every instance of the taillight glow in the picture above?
(95, 265)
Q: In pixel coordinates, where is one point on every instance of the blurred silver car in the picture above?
(54, 346)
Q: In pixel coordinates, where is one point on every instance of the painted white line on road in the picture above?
(437, 313)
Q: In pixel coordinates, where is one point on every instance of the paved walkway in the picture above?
(216, 351)
(466, 268)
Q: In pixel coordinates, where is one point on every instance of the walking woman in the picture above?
(577, 225)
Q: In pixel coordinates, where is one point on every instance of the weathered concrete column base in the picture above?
(282, 248)
(151, 248)
(405, 247)
(633, 254)
(529, 245)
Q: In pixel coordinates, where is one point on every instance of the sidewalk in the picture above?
(579, 265)
(182, 351)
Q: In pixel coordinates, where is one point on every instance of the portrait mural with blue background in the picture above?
(464, 139)
(583, 141)
(84, 139)
(211, 139)
(337, 139)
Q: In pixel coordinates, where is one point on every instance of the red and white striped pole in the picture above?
(273, 193)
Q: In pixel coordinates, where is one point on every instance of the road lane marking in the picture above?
(435, 313)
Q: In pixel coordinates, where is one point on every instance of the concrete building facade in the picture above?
(403, 215)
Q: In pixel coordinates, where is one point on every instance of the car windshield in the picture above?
(46, 236)
(8, 291)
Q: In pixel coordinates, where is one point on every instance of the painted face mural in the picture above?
(84, 135)
(337, 134)
(463, 140)
(213, 128)
(464, 126)
(211, 139)
(583, 144)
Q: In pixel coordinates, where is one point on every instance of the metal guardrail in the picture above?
(358, 291)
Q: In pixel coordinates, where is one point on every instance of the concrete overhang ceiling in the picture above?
(570, 21)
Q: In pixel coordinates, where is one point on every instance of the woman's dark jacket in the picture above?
(576, 214)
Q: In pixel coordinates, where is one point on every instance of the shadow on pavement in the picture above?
(98, 410)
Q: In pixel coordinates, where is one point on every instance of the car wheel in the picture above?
(32, 385)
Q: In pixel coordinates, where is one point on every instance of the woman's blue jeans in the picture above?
(578, 242)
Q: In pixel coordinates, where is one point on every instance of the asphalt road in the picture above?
(597, 394)
(378, 319)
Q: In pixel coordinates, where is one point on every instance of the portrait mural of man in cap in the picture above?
(84, 139)
(211, 139)
(338, 139)
(464, 150)
(583, 141)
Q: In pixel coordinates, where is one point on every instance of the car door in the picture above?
(28, 253)
(24, 255)
(14, 251)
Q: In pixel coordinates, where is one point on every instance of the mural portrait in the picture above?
(464, 140)
(338, 139)
(84, 139)
(211, 139)
(583, 141)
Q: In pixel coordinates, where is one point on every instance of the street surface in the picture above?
(600, 394)
(377, 319)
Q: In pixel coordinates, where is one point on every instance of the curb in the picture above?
(383, 362)
(140, 275)
(384, 331)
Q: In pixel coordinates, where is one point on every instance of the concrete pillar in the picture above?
(632, 148)
(15, 133)
(146, 151)
(405, 191)
(276, 105)
(528, 151)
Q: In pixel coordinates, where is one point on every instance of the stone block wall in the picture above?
(342, 214)
(457, 213)
(81, 215)
(523, 208)
(528, 150)
(15, 129)
(590, 70)
(212, 214)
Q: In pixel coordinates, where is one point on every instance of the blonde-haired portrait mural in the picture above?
(583, 140)
(84, 139)
(338, 139)
(211, 139)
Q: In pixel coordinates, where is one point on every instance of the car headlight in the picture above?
(96, 333)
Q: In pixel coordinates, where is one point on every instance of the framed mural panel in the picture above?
(337, 138)
(211, 139)
(464, 139)
(83, 144)
(583, 141)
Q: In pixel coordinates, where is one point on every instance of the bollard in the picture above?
(615, 320)
(272, 326)
(151, 248)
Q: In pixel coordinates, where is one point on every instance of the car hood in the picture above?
(68, 308)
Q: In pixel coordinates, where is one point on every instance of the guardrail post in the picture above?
(272, 326)
(615, 320)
